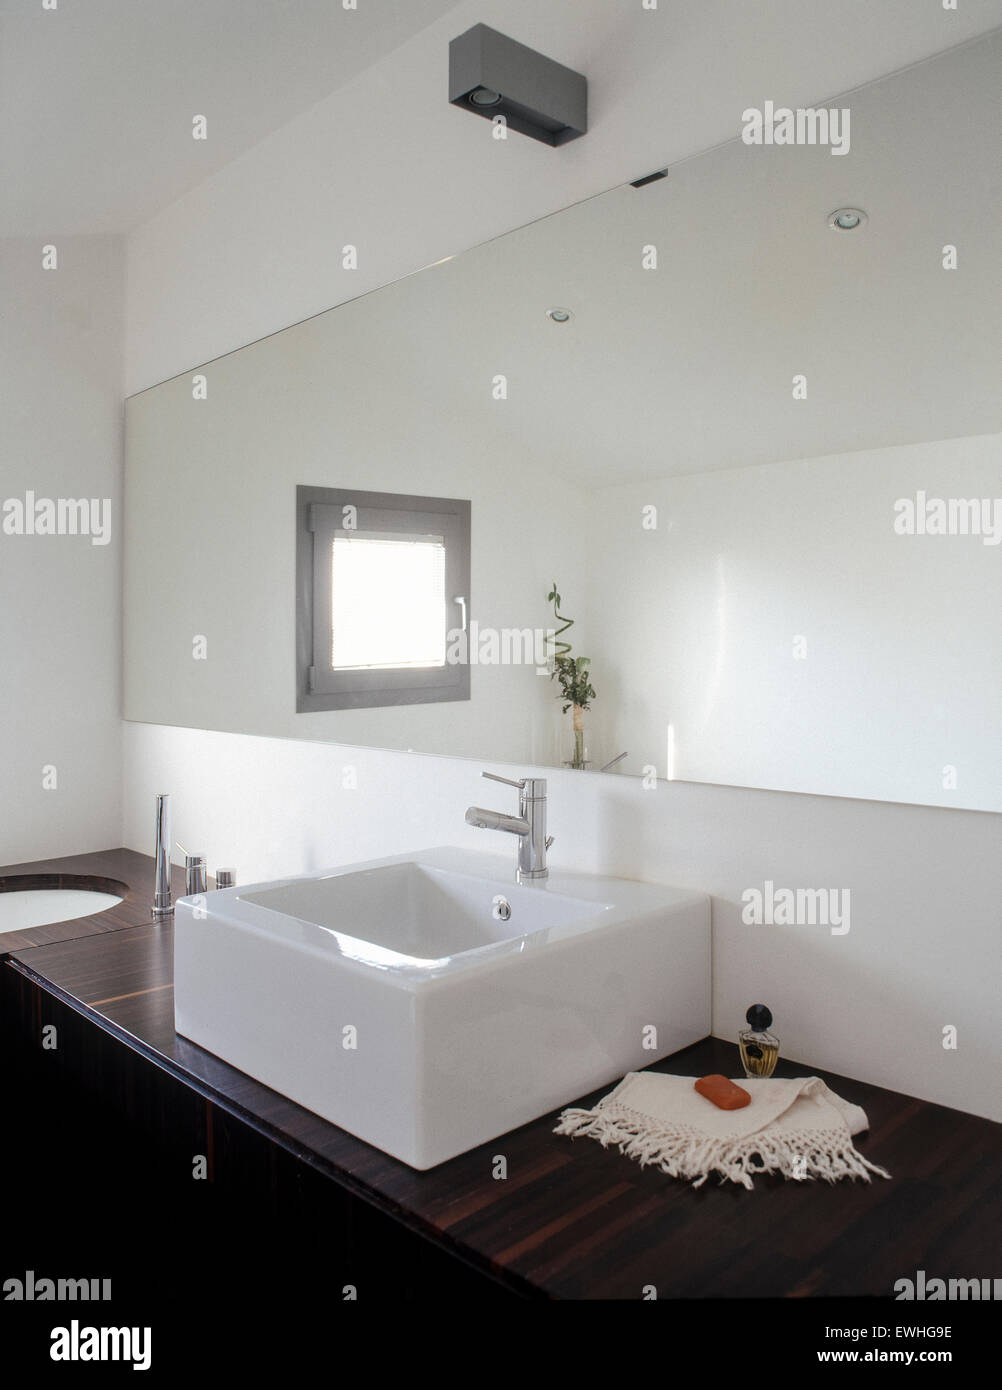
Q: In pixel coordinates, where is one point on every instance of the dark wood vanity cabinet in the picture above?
(130, 1139)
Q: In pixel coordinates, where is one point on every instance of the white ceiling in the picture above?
(690, 366)
(97, 96)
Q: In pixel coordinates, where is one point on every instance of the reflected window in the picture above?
(388, 603)
(382, 591)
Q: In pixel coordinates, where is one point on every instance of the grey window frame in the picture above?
(401, 512)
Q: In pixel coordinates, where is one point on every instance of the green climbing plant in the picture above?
(571, 672)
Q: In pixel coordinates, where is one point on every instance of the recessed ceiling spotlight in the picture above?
(484, 96)
(847, 219)
(559, 315)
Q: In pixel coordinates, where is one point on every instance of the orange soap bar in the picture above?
(722, 1092)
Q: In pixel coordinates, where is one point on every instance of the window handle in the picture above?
(462, 603)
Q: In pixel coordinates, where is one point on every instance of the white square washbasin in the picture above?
(427, 1003)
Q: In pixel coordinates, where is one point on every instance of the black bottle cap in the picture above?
(759, 1017)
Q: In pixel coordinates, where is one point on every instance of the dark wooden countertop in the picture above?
(572, 1219)
(119, 871)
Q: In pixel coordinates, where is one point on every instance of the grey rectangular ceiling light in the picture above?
(493, 75)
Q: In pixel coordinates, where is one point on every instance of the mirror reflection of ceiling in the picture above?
(690, 366)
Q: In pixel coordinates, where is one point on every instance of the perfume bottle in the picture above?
(759, 1049)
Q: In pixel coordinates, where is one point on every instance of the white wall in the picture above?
(794, 639)
(60, 403)
(921, 952)
(387, 165)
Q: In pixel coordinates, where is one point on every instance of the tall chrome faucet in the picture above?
(529, 825)
(163, 902)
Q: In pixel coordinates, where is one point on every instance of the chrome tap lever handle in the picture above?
(519, 786)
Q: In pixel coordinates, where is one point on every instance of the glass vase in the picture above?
(579, 758)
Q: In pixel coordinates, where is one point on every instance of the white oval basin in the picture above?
(37, 907)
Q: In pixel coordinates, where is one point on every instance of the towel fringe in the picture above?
(682, 1152)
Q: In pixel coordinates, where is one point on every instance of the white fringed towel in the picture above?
(795, 1127)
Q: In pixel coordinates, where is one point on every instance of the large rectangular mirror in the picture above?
(757, 455)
